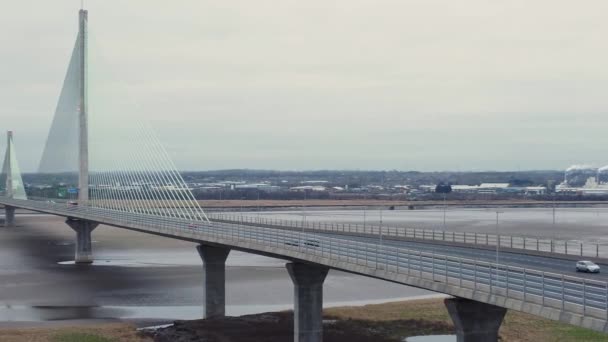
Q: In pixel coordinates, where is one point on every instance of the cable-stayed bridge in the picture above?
(120, 175)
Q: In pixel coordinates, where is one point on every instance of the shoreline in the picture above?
(383, 322)
(153, 321)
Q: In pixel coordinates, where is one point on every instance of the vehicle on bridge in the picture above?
(294, 243)
(307, 243)
(587, 266)
(312, 243)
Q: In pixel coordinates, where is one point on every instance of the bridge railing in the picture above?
(570, 294)
(538, 244)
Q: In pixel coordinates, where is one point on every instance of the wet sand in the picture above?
(140, 276)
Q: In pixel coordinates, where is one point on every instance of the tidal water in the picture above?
(140, 276)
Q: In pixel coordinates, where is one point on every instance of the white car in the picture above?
(587, 266)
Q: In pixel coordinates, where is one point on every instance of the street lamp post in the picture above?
(258, 202)
(241, 211)
(304, 209)
(497, 238)
(444, 210)
(497, 243)
(553, 215)
(553, 227)
(381, 227)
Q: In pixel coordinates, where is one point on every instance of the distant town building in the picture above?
(427, 188)
(465, 188)
(260, 186)
(308, 188)
(535, 190)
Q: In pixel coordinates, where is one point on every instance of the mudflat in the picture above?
(138, 276)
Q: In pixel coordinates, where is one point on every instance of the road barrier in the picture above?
(539, 244)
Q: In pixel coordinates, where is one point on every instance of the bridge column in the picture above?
(475, 321)
(214, 267)
(83, 229)
(9, 216)
(308, 301)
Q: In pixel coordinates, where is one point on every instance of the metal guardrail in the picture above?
(567, 293)
(505, 241)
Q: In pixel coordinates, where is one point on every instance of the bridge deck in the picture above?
(543, 286)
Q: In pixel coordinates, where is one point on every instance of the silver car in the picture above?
(587, 266)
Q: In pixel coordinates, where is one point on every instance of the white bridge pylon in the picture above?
(119, 162)
(11, 174)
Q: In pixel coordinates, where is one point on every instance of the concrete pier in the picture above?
(308, 301)
(475, 321)
(214, 268)
(9, 216)
(83, 229)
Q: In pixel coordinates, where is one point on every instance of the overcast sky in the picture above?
(317, 84)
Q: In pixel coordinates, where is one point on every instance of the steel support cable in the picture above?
(150, 160)
(171, 204)
(122, 197)
(116, 195)
(95, 179)
(159, 159)
(141, 206)
(127, 175)
(108, 190)
(189, 198)
(112, 194)
(183, 200)
(105, 195)
(141, 176)
(150, 174)
(118, 201)
(149, 191)
(97, 198)
(133, 190)
(92, 190)
(104, 191)
(125, 196)
(136, 205)
(119, 198)
(175, 206)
